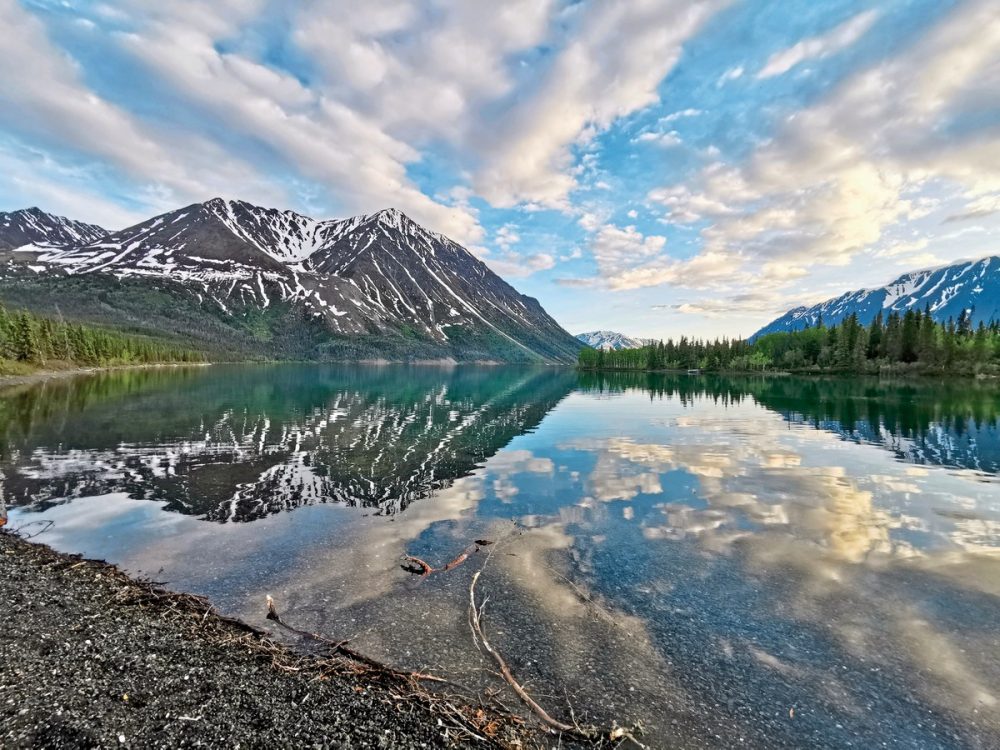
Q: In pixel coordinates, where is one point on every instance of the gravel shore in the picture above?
(93, 658)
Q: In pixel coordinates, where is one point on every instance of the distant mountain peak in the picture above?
(972, 286)
(393, 218)
(609, 340)
(33, 226)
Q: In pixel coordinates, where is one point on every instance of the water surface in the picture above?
(734, 562)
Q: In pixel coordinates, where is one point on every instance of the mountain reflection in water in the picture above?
(237, 444)
(762, 562)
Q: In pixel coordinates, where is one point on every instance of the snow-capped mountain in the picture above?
(32, 226)
(947, 291)
(379, 275)
(609, 340)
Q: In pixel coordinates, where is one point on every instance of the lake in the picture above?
(732, 561)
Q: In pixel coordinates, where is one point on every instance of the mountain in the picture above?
(32, 226)
(947, 291)
(232, 276)
(608, 340)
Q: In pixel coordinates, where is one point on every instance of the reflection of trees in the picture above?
(951, 422)
(235, 443)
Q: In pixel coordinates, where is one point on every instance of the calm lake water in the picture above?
(734, 562)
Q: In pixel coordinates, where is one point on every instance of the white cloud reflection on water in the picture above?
(843, 539)
(805, 507)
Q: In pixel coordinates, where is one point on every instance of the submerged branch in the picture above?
(594, 734)
(475, 622)
(422, 568)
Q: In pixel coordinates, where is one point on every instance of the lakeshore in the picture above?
(33, 377)
(95, 658)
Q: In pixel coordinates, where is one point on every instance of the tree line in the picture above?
(37, 341)
(908, 342)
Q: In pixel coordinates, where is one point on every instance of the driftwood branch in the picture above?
(479, 637)
(422, 568)
(44, 523)
(614, 733)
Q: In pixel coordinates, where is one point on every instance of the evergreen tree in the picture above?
(25, 339)
(909, 337)
(875, 337)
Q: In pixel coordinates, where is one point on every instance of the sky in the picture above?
(655, 167)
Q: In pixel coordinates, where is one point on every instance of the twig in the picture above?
(479, 637)
(45, 523)
(476, 613)
(422, 568)
(588, 598)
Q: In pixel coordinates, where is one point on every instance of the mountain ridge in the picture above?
(946, 290)
(609, 340)
(378, 281)
(32, 226)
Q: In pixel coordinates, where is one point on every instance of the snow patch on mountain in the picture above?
(33, 227)
(379, 273)
(609, 340)
(972, 286)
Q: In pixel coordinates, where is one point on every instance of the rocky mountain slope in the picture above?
(973, 286)
(608, 340)
(377, 285)
(32, 226)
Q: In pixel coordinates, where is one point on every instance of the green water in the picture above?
(737, 562)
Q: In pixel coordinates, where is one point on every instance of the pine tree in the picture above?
(875, 332)
(25, 339)
(909, 337)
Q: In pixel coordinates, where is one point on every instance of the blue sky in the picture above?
(656, 167)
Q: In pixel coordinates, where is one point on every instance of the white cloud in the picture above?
(726, 307)
(665, 140)
(506, 236)
(730, 75)
(614, 248)
(325, 139)
(839, 174)
(977, 208)
(818, 47)
(512, 265)
(589, 221)
(37, 180)
(611, 65)
(45, 97)
(681, 114)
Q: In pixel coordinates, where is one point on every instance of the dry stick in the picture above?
(143, 592)
(45, 523)
(413, 678)
(588, 598)
(480, 637)
(426, 568)
(615, 732)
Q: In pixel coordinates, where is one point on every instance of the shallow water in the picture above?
(734, 562)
